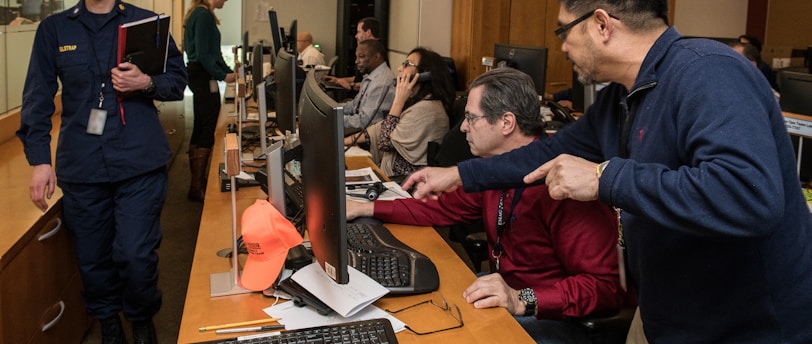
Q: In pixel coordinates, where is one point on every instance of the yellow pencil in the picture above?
(244, 323)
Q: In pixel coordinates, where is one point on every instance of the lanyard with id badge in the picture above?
(98, 116)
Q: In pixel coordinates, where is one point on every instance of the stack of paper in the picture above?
(351, 301)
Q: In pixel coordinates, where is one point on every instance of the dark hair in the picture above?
(749, 51)
(371, 24)
(751, 40)
(636, 14)
(510, 90)
(374, 46)
(439, 86)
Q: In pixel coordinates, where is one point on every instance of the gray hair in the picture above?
(510, 90)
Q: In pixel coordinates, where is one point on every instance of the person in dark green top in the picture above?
(201, 41)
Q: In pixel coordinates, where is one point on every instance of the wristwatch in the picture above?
(601, 167)
(528, 296)
(150, 87)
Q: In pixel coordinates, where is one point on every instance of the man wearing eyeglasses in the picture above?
(690, 145)
(552, 264)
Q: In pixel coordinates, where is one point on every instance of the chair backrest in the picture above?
(453, 148)
(332, 65)
(452, 72)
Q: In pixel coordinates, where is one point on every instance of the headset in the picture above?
(373, 192)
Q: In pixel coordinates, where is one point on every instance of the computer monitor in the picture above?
(274, 185)
(275, 34)
(796, 97)
(796, 92)
(286, 95)
(256, 66)
(582, 95)
(244, 49)
(322, 140)
(292, 37)
(530, 60)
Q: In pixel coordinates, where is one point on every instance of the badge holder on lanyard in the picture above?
(501, 223)
(98, 116)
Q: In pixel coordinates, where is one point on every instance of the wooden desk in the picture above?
(481, 325)
(39, 277)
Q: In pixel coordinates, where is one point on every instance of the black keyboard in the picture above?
(294, 192)
(366, 331)
(373, 250)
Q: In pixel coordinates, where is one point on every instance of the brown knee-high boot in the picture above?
(198, 161)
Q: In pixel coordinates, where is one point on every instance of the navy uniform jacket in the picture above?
(717, 228)
(72, 47)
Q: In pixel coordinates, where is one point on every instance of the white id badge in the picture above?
(213, 87)
(95, 123)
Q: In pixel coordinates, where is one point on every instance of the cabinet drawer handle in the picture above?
(52, 323)
(52, 232)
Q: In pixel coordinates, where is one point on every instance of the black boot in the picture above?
(111, 331)
(144, 332)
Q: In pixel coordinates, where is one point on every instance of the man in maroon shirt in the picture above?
(554, 260)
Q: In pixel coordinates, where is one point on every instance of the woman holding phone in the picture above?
(424, 96)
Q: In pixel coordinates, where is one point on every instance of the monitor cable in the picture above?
(369, 122)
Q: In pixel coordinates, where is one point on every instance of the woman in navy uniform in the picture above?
(111, 156)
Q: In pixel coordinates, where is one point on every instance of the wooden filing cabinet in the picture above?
(40, 300)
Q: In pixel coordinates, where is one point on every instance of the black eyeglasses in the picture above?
(562, 32)
(407, 63)
(471, 118)
(437, 300)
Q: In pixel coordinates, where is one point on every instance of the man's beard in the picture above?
(587, 73)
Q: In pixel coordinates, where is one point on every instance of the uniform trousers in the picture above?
(116, 228)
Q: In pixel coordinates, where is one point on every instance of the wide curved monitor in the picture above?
(285, 76)
(530, 60)
(321, 132)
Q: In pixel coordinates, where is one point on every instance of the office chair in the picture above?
(453, 149)
(332, 65)
(608, 327)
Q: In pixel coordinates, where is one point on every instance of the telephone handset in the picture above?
(560, 113)
(421, 77)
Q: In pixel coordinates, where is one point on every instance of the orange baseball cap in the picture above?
(268, 236)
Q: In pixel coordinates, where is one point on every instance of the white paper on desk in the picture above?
(242, 175)
(393, 191)
(357, 151)
(344, 299)
(360, 176)
(295, 317)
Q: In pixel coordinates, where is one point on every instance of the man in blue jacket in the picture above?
(111, 157)
(689, 144)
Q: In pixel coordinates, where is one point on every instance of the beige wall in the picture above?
(716, 18)
(315, 16)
